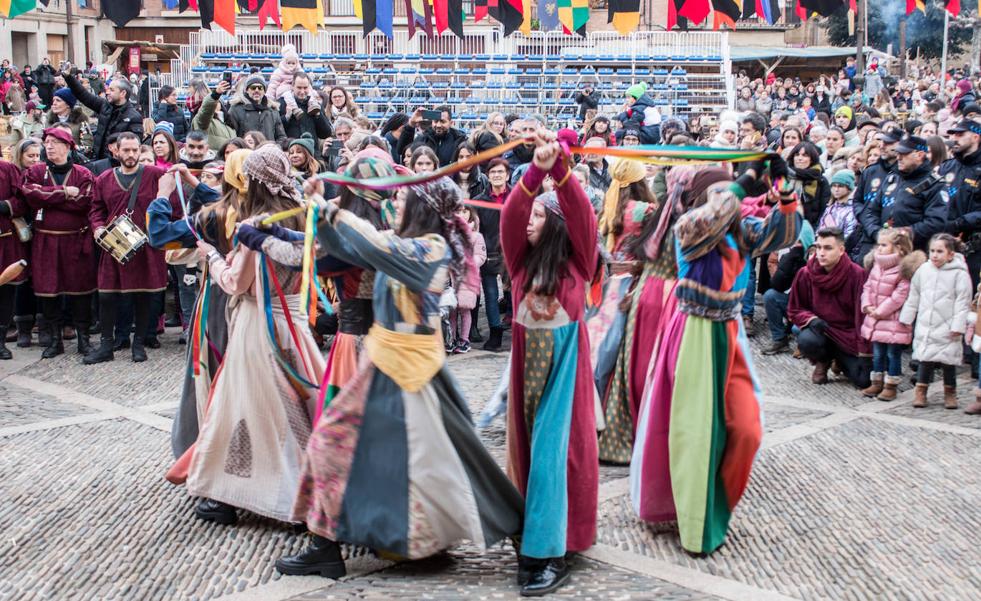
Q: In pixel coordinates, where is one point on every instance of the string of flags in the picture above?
(433, 17)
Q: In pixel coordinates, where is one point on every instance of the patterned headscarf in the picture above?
(445, 198)
(550, 200)
(367, 166)
(234, 171)
(269, 165)
(624, 173)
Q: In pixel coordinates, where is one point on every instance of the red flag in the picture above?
(800, 10)
(269, 10)
(225, 15)
(954, 7)
(193, 5)
(442, 14)
(695, 11)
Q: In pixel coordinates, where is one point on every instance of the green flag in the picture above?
(19, 7)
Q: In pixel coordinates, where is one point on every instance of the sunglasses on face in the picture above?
(256, 88)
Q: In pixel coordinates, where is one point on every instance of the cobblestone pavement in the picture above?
(850, 499)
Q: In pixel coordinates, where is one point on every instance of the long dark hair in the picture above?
(420, 219)
(259, 199)
(349, 201)
(547, 261)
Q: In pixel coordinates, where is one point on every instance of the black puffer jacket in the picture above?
(112, 118)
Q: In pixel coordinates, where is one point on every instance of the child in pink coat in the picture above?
(468, 288)
(893, 264)
(281, 81)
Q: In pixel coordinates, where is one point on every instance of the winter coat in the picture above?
(746, 105)
(645, 116)
(81, 130)
(885, 291)
(280, 82)
(939, 301)
(316, 125)
(175, 115)
(444, 146)
(245, 116)
(764, 105)
(468, 290)
(111, 118)
(44, 75)
(205, 120)
(832, 297)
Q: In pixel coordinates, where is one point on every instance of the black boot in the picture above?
(101, 354)
(527, 566)
(210, 510)
(493, 343)
(322, 557)
(139, 353)
(5, 353)
(43, 332)
(25, 325)
(547, 579)
(56, 346)
(84, 342)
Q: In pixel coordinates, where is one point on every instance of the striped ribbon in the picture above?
(268, 276)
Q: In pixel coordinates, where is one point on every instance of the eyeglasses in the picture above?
(256, 87)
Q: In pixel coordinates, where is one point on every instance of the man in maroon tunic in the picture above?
(11, 248)
(60, 194)
(146, 273)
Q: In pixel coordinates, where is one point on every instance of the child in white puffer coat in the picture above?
(939, 302)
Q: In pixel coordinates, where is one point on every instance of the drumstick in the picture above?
(12, 272)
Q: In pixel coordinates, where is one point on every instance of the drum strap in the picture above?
(134, 189)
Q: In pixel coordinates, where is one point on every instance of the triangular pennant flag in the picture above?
(768, 10)
(800, 10)
(506, 14)
(441, 15)
(454, 19)
(673, 7)
(19, 7)
(365, 10)
(225, 15)
(954, 7)
(268, 11)
(726, 13)
(383, 17)
(480, 10)
(120, 12)
(168, 4)
(573, 14)
(207, 10)
(306, 13)
(526, 17)
(695, 11)
(624, 15)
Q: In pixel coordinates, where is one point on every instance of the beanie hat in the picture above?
(289, 51)
(844, 177)
(59, 134)
(254, 80)
(844, 110)
(306, 141)
(729, 126)
(66, 96)
(166, 126)
(637, 90)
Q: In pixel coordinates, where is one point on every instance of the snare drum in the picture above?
(122, 239)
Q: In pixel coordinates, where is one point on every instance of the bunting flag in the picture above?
(954, 7)
(695, 11)
(506, 13)
(448, 14)
(191, 4)
(573, 14)
(548, 14)
(825, 8)
(120, 12)
(912, 5)
(480, 10)
(623, 14)
(224, 16)
(768, 10)
(171, 4)
(726, 12)
(801, 11)
(419, 12)
(526, 17)
(13, 8)
(206, 8)
(673, 7)
(309, 14)
(268, 11)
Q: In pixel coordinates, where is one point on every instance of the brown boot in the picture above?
(820, 375)
(889, 389)
(920, 395)
(975, 407)
(950, 397)
(876, 386)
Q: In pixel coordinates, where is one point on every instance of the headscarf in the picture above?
(678, 180)
(269, 165)
(624, 173)
(550, 200)
(235, 171)
(368, 165)
(446, 198)
(701, 182)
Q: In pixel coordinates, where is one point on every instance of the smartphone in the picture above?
(432, 115)
(336, 145)
(227, 76)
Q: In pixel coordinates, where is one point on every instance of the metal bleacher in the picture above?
(484, 72)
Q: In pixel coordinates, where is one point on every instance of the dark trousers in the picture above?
(7, 293)
(775, 304)
(109, 310)
(80, 307)
(924, 374)
(25, 303)
(491, 295)
(815, 346)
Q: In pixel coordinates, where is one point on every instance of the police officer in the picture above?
(868, 188)
(962, 174)
(913, 196)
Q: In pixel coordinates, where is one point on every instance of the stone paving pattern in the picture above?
(859, 507)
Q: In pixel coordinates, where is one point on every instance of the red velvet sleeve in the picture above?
(98, 212)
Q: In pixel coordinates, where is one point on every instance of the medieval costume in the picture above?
(62, 245)
(705, 415)
(12, 249)
(394, 462)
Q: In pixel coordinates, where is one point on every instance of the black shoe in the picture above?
(5, 354)
(101, 354)
(494, 342)
(139, 353)
(56, 346)
(210, 510)
(95, 328)
(527, 566)
(776, 347)
(322, 557)
(120, 344)
(547, 579)
(25, 324)
(151, 342)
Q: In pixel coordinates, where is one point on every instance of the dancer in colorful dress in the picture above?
(549, 244)
(704, 413)
(250, 447)
(629, 204)
(394, 462)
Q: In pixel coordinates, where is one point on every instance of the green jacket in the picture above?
(204, 120)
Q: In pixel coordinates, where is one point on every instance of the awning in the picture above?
(114, 48)
(771, 57)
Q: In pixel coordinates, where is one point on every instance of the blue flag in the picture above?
(171, 4)
(548, 14)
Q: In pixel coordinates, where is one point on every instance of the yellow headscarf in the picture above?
(234, 171)
(624, 173)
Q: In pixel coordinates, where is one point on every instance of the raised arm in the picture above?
(87, 98)
(236, 273)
